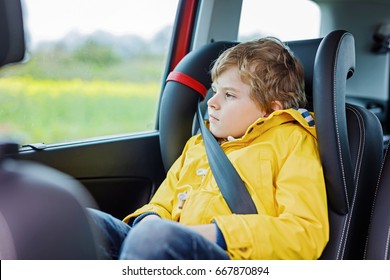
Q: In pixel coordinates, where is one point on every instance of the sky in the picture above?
(53, 19)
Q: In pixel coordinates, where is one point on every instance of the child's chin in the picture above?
(215, 133)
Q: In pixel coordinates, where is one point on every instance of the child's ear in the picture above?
(276, 105)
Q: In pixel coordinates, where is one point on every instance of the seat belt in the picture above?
(228, 180)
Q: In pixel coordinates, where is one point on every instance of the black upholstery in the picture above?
(350, 142)
(42, 212)
(306, 51)
(12, 45)
(378, 242)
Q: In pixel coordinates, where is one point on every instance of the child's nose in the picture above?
(213, 102)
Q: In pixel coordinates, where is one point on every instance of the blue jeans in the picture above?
(153, 240)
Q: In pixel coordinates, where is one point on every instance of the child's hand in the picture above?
(150, 217)
(207, 231)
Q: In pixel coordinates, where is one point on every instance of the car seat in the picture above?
(42, 212)
(378, 241)
(360, 138)
(350, 142)
(12, 45)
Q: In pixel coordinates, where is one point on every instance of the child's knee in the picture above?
(153, 232)
(149, 240)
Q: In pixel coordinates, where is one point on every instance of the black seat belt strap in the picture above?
(228, 180)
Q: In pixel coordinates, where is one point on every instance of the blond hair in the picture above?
(270, 69)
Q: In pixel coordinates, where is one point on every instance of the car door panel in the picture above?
(120, 173)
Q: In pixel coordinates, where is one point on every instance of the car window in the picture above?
(93, 68)
(285, 19)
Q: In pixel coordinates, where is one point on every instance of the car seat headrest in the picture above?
(12, 44)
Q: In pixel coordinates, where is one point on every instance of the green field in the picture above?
(48, 111)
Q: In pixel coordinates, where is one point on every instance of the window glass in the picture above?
(93, 68)
(285, 19)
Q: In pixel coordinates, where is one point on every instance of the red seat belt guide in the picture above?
(188, 81)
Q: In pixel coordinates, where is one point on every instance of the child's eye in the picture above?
(228, 95)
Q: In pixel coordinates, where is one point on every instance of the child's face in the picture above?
(231, 109)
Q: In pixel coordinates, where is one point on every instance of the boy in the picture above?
(258, 87)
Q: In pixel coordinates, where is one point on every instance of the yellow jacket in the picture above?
(278, 160)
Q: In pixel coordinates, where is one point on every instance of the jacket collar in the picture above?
(279, 117)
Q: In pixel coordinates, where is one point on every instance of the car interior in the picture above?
(347, 73)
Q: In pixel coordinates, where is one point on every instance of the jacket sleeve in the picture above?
(162, 201)
(298, 227)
